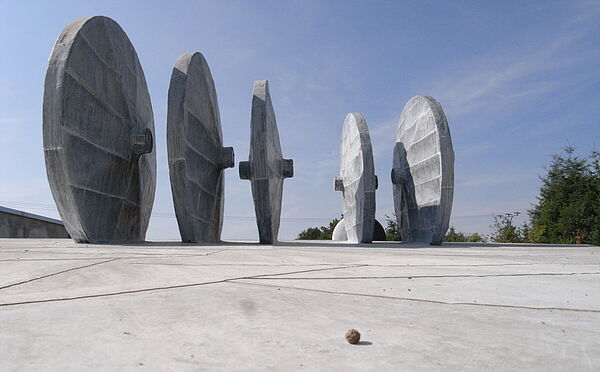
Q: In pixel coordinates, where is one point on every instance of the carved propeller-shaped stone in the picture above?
(197, 157)
(357, 180)
(98, 133)
(423, 172)
(266, 169)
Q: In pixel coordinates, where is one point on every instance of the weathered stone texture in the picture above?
(423, 172)
(266, 169)
(357, 180)
(98, 133)
(195, 148)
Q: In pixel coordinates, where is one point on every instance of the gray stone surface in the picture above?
(239, 306)
(339, 232)
(423, 172)
(266, 168)
(196, 153)
(357, 180)
(98, 133)
(19, 224)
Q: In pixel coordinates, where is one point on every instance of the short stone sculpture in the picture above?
(98, 133)
(357, 180)
(197, 157)
(339, 232)
(423, 172)
(266, 168)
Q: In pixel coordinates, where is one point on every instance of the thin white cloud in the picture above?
(496, 80)
(473, 149)
(505, 178)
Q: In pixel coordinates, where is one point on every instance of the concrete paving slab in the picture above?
(242, 306)
(17, 272)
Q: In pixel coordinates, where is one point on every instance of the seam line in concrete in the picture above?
(56, 273)
(234, 265)
(142, 256)
(432, 276)
(238, 281)
(134, 291)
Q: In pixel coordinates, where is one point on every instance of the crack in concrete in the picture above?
(421, 300)
(141, 254)
(56, 273)
(235, 265)
(439, 252)
(177, 286)
(432, 276)
(476, 265)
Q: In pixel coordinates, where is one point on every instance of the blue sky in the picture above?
(518, 81)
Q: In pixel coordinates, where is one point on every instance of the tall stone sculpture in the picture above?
(357, 180)
(98, 133)
(423, 172)
(197, 157)
(266, 168)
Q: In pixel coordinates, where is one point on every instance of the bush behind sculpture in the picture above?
(568, 206)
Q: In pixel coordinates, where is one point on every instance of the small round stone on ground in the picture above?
(353, 336)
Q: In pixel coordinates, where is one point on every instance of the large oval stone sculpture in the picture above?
(196, 153)
(266, 168)
(357, 180)
(423, 172)
(98, 133)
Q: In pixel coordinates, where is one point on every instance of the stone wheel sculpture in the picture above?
(98, 133)
(195, 149)
(423, 172)
(266, 169)
(357, 180)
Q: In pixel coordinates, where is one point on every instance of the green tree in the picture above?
(392, 233)
(568, 206)
(311, 233)
(327, 232)
(318, 233)
(503, 230)
(476, 238)
(454, 236)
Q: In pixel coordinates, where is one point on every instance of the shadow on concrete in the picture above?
(338, 244)
(324, 244)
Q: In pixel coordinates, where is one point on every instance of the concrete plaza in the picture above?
(242, 306)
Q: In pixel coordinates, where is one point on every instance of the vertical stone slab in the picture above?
(423, 172)
(266, 169)
(98, 133)
(197, 157)
(357, 180)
